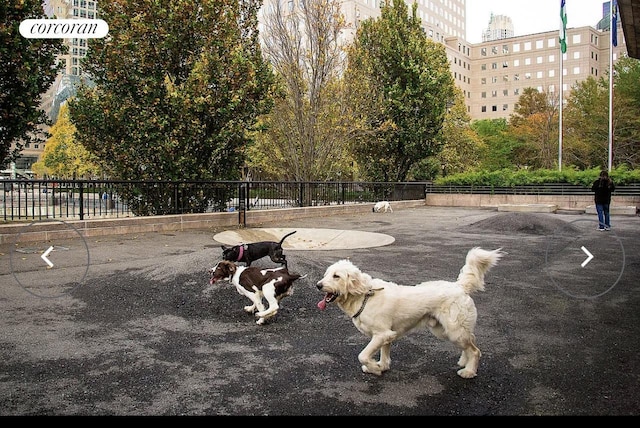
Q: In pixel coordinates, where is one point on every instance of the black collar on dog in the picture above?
(364, 302)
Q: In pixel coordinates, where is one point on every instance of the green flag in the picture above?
(563, 26)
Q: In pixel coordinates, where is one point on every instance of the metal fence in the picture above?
(558, 189)
(84, 199)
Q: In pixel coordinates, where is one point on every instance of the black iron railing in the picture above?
(83, 199)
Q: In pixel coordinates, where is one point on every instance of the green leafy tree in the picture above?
(28, 67)
(626, 113)
(586, 119)
(463, 149)
(586, 124)
(178, 85)
(63, 157)
(500, 147)
(400, 84)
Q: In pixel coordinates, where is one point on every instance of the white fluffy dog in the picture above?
(385, 311)
(382, 206)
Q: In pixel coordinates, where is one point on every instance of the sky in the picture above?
(531, 17)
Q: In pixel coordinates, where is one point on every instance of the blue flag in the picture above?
(614, 23)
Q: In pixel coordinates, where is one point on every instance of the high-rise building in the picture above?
(500, 27)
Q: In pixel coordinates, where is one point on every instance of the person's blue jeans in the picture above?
(604, 219)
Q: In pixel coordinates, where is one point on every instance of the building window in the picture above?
(494, 50)
(484, 109)
(505, 78)
(505, 92)
(483, 95)
(527, 61)
(516, 62)
(527, 46)
(494, 108)
(516, 47)
(483, 51)
(505, 49)
(576, 55)
(483, 67)
(516, 77)
(483, 81)
(494, 79)
(576, 70)
(505, 64)
(527, 76)
(494, 94)
(552, 58)
(516, 91)
(538, 60)
(494, 66)
(539, 74)
(505, 107)
(552, 73)
(539, 44)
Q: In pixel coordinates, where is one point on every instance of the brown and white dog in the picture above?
(386, 311)
(255, 283)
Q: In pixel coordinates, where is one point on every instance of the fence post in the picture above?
(242, 204)
(81, 200)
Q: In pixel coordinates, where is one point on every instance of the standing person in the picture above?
(603, 187)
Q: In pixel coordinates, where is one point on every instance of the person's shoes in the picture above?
(607, 228)
(601, 229)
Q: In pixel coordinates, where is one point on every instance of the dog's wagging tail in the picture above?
(386, 311)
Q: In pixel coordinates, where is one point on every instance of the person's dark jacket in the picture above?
(603, 188)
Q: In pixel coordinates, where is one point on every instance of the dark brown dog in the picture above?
(256, 283)
(248, 253)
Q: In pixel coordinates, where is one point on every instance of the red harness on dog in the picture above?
(241, 252)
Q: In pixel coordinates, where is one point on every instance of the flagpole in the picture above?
(560, 119)
(563, 49)
(613, 27)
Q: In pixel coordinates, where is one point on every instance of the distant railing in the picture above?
(83, 199)
(557, 189)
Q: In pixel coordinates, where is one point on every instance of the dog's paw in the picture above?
(260, 321)
(266, 314)
(250, 309)
(466, 373)
(376, 371)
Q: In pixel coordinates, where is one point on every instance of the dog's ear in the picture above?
(224, 247)
(357, 282)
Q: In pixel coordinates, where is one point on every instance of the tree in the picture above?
(534, 124)
(178, 85)
(626, 113)
(500, 147)
(28, 68)
(63, 157)
(586, 124)
(463, 149)
(401, 85)
(306, 135)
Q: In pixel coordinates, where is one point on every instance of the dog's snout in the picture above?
(319, 285)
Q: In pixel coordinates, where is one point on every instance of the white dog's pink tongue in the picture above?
(322, 304)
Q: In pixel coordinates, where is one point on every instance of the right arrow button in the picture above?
(589, 256)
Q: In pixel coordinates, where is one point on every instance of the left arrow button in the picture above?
(45, 254)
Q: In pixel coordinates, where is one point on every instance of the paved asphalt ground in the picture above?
(129, 325)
